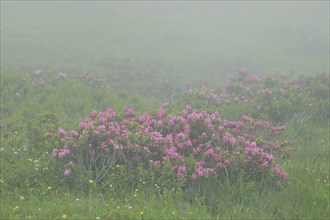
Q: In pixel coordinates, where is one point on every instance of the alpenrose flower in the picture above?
(67, 172)
(270, 97)
(105, 139)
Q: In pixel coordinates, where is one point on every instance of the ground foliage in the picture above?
(204, 153)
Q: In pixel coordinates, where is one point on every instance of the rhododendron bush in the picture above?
(195, 144)
(279, 99)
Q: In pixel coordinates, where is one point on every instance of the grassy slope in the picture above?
(305, 196)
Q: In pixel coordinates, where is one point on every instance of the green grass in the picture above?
(32, 187)
(53, 205)
(35, 190)
(305, 196)
(144, 54)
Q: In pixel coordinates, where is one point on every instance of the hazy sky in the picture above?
(206, 38)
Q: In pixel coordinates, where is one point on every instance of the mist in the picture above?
(189, 41)
(164, 109)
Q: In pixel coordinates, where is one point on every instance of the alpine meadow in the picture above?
(165, 110)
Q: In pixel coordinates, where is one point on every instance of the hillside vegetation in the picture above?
(74, 147)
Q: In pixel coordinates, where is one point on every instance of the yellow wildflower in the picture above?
(16, 207)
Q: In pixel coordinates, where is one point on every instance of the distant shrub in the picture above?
(279, 99)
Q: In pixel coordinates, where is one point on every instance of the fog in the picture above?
(193, 41)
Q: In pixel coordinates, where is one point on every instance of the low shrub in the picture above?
(278, 99)
(173, 148)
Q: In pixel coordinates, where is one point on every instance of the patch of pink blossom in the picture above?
(152, 140)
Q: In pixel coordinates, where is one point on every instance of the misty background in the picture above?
(179, 42)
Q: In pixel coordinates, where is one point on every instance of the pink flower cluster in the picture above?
(272, 98)
(278, 171)
(61, 75)
(154, 140)
(278, 128)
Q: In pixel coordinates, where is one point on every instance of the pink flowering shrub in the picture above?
(194, 144)
(278, 99)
